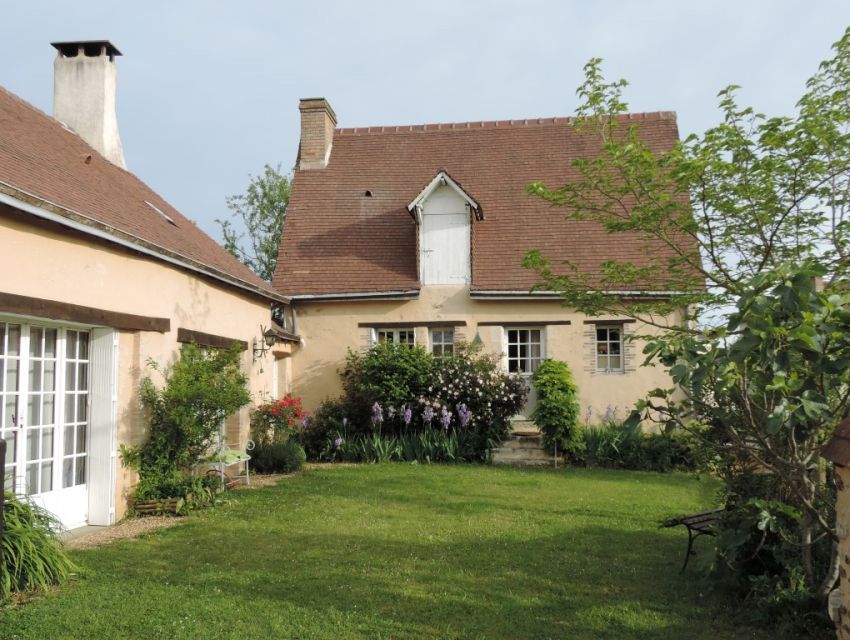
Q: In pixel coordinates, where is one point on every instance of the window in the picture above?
(609, 348)
(525, 350)
(442, 342)
(397, 336)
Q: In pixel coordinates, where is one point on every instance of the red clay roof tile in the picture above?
(336, 240)
(42, 158)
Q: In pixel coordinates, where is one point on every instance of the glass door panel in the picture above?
(10, 397)
(76, 408)
(41, 410)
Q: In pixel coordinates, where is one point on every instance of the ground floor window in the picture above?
(525, 350)
(609, 348)
(442, 342)
(395, 336)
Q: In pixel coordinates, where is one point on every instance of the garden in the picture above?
(404, 551)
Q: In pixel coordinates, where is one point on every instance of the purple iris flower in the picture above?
(427, 414)
(407, 416)
(338, 442)
(377, 414)
(446, 418)
(464, 414)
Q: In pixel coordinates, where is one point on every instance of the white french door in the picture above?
(525, 349)
(44, 383)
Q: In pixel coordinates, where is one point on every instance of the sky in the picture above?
(208, 90)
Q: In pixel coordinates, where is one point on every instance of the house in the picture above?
(416, 234)
(98, 274)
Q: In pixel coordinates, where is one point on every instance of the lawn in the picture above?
(404, 551)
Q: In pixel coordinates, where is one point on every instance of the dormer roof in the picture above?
(440, 180)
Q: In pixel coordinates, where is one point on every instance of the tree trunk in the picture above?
(806, 549)
(831, 575)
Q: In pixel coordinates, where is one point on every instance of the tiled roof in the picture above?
(49, 165)
(338, 240)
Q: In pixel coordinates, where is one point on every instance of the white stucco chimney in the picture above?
(317, 133)
(84, 84)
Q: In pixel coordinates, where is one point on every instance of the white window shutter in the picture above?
(103, 397)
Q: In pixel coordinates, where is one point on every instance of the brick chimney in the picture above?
(317, 130)
(84, 85)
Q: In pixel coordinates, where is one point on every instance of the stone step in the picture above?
(518, 453)
(521, 453)
(529, 443)
(524, 428)
(522, 461)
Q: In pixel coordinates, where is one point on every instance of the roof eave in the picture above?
(47, 210)
(495, 294)
(409, 294)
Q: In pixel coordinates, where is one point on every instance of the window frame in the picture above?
(442, 343)
(395, 334)
(541, 342)
(608, 342)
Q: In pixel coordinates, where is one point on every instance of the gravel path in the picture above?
(135, 527)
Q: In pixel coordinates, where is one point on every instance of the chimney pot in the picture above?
(317, 130)
(84, 86)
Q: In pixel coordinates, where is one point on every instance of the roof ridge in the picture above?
(497, 124)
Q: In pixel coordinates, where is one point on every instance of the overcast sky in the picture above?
(208, 91)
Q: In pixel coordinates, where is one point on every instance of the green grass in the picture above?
(404, 551)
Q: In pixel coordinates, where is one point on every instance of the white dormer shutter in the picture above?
(444, 239)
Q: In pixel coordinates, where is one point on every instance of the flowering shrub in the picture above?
(394, 390)
(276, 421)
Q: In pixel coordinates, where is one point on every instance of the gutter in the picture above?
(90, 226)
(411, 294)
(549, 295)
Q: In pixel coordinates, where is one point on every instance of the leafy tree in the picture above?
(752, 215)
(741, 199)
(261, 210)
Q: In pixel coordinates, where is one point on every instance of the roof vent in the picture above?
(167, 217)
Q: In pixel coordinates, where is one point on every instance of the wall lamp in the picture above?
(264, 343)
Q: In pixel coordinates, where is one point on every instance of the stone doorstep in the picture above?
(524, 429)
(521, 443)
(521, 454)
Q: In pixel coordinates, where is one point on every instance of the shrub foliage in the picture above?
(33, 557)
(278, 457)
(557, 410)
(277, 421)
(200, 391)
(396, 390)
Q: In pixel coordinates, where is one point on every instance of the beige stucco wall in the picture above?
(329, 328)
(43, 263)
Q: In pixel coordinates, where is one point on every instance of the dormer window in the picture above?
(443, 212)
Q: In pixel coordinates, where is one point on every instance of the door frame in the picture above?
(531, 401)
(101, 413)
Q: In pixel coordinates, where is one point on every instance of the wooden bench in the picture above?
(698, 524)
